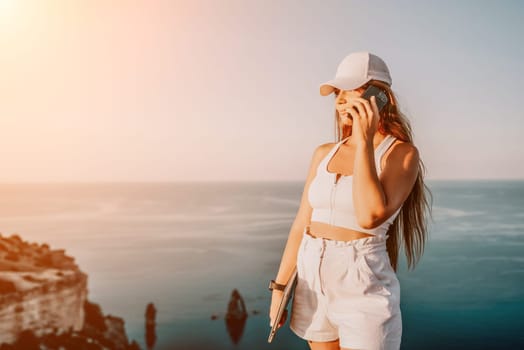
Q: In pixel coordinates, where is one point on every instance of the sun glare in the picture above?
(6, 6)
(8, 11)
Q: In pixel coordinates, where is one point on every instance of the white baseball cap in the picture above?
(355, 70)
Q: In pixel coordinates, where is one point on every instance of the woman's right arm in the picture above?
(303, 217)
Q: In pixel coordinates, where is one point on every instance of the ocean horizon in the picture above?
(185, 246)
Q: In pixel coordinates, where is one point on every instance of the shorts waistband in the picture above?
(365, 245)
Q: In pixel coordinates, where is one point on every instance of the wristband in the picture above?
(275, 285)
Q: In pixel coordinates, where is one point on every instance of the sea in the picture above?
(187, 246)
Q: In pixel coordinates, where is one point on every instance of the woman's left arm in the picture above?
(376, 199)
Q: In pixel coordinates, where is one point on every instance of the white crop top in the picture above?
(333, 203)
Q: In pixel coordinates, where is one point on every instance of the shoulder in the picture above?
(404, 153)
(325, 147)
(320, 152)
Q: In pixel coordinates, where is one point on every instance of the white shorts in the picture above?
(347, 290)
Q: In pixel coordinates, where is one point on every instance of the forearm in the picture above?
(289, 256)
(368, 195)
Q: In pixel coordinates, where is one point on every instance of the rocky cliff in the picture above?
(43, 299)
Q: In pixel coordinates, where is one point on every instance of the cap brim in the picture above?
(341, 83)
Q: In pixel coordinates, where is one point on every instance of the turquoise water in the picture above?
(185, 246)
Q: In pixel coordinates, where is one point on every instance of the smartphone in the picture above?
(381, 97)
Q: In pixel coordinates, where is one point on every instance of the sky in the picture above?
(155, 91)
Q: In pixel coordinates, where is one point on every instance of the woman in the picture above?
(363, 196)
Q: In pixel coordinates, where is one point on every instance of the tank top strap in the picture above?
(342, 141)
(388, 141)
(333, 150)
(382, 148)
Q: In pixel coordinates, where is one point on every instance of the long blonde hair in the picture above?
(410, 226)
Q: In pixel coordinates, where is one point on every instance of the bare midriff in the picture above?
(323, 230)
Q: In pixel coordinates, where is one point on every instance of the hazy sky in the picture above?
(228, 90)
